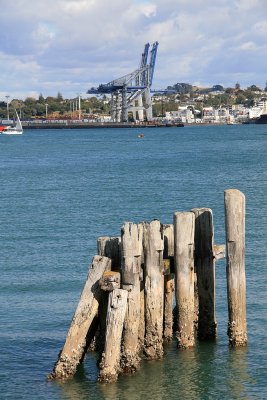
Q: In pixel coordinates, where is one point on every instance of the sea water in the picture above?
(61, 189)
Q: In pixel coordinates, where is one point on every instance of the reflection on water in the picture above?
(83, 382)
(182, 374)
(238, 374)
(195, 375)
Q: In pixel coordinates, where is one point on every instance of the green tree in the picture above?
(240, 99)
(229, 90)
(59, 97)
(41, 98)
(254, 88)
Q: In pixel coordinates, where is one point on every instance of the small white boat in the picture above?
(12, 130)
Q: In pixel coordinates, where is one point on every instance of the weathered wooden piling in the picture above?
(168, 254)
(109, 246)
(154, 289)
(131, 247)
(184, 230)
(98, 342)
(126, 305)
(110, 280)
(168, 307)
(205, 272)
(234, 202)
(218, 251)
(142, 325)
(110, 362)
(75, 344)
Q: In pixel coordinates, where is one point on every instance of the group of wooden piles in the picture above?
(126, 308)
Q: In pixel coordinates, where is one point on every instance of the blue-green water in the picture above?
(60, 190)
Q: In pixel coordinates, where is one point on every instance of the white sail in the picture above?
(18, 122)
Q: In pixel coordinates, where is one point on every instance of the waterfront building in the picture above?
(258, 109)
(184, 114)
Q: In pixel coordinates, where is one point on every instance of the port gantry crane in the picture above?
(131, 93)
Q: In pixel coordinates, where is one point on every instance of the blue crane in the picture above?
(131, 92)
(153, 55)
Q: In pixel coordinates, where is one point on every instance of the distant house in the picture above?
(184, 114)
(208, 114)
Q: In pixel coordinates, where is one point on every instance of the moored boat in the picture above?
(12, 130)
(262, 119)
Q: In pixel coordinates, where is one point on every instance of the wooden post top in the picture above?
(110, 280)
(234, 192)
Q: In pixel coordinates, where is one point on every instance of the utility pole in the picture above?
(7, 107)
(79, 105)
(162, 108)
(46, 105)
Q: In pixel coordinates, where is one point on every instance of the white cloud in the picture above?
(260, 28)
(76, 6)
(250, 46)
(247, 4)
(70, 45)
(149, 10)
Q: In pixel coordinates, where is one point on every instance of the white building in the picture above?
(184, 114)
(208, 114)
(256, 111)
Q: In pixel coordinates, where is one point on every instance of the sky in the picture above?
(67, 46)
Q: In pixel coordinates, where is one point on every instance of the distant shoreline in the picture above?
(92, 125)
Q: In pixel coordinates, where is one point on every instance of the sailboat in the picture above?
(12, 130)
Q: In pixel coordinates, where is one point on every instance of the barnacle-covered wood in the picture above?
(154, 289)
(234, 202)
(110, 362)
(87, 309)
(132, 247)
(184, 229)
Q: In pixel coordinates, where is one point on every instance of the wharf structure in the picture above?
(70, 124)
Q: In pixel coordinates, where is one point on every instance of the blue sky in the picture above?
(68, 46)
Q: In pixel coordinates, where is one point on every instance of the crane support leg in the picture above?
(124, 116)
(148, 101)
